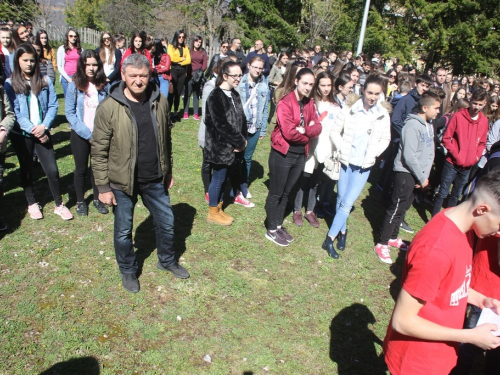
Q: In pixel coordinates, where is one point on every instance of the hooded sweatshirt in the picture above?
(403, 108)
(416, 149)
(465, 138)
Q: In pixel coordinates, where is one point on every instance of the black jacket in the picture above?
(226, 127)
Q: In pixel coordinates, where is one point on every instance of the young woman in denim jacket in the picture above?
(84, 95)
(35, 105)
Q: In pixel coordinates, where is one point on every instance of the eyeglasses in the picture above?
(257, 67)
(107, 38)
(235, 76)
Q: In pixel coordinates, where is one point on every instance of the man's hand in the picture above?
(107, 198)
(301, 130)
(242, 148)
(3, 135)
(38, 131)
(482, 337)
(169, 182)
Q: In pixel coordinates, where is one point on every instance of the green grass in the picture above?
(252, 306)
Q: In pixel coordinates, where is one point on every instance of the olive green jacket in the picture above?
(7, 116)
(115, 140)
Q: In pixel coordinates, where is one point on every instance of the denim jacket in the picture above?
(262, 102)
(74, 110)
(47, 98)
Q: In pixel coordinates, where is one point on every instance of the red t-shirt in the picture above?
(438, 271)
(485, 268)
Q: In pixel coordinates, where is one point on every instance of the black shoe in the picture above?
(341, 239)
(101, 207)
(328, 246)
(82, 209)
(130, 282)
(3, 226)
(178, 271)
(404, 226)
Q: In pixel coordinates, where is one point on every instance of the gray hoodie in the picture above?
(416, 149)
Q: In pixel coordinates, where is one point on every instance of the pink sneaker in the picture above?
(399, 244)
(186, 116)
(206, 197)
(196, 117)
(383, 253)
(64, 212)
(240, 199)
(35, 211)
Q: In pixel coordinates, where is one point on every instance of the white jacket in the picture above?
(342, 133)
(322, 147)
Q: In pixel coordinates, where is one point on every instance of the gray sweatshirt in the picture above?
(416, 149)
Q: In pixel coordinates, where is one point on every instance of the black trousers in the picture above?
(284, 172)
(402, 198)
(24, 148)
(178, 77)
(81, 152)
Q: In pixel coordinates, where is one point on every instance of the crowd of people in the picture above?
(334, 118)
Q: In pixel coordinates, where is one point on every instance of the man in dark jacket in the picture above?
(215, 59)
(235, 50)
(132, 155)
(259, 51)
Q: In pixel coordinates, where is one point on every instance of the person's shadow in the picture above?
(75, 366)
(352, 342)
(397, 270)
(145, 238)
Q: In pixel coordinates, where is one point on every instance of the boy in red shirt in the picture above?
(426, 324)
(465, 140)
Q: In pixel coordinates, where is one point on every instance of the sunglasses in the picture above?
(181, 36)
(72, 36)
(107, 38)
(393, 76)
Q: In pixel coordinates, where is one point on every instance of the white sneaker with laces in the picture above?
(35, 211)
(383, 253)
(64, 212)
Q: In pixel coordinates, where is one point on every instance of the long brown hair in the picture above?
(102, 49)
(317, 96)
(80, 78)
(288, 84)
(37, 82)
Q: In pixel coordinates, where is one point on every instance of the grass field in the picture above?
(253, 307)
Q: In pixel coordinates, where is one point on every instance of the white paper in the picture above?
(489, 316)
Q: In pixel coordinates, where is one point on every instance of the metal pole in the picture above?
(363, 28)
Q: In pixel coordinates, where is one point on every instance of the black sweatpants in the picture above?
(81, 152)
(24, 148)
(178, 77)
(402, 198)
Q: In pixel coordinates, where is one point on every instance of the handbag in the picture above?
(332, 166)
(198, 76)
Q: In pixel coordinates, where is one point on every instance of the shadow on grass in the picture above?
(397, 270)
(374, 210)
(75, 366)
(352, 342)
(145, 237)
(256, 172)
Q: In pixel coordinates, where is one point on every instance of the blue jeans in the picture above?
(163, 84)
(216, 188)
(351, 182)
(157, 201)
(450, 175)
(252, 140)
(64, 85)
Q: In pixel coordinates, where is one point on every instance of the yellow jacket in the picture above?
(175, 56)
(51, 56)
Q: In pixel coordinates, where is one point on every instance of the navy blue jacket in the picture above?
(403, 108)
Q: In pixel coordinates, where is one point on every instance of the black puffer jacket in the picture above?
(226, 127)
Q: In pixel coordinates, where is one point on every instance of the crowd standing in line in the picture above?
(334, 116)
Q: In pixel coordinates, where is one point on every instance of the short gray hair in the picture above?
(136, 60)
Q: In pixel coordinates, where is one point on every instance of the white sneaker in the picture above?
(35, 211)
(64, 212)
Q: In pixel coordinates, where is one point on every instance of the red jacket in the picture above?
(163, 67)
(465, 138)
(288, 118)
(128, 52)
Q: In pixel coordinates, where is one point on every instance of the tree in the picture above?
(84, 13)
(18, 10)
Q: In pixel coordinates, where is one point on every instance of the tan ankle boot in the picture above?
(223, 214)
(214, 216)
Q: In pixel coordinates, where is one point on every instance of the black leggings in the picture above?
(195, 89)
(206, 173)
(81, 152)
(24, 147)
(284, 172)
(178, 77)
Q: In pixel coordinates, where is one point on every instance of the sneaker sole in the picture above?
(160, 267)
(406, 230)
(36, 218)
(386, 261)
(65, 219)
(277, 243)
(216, 222)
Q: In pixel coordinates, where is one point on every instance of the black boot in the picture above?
(328, 246)
(341, 240)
